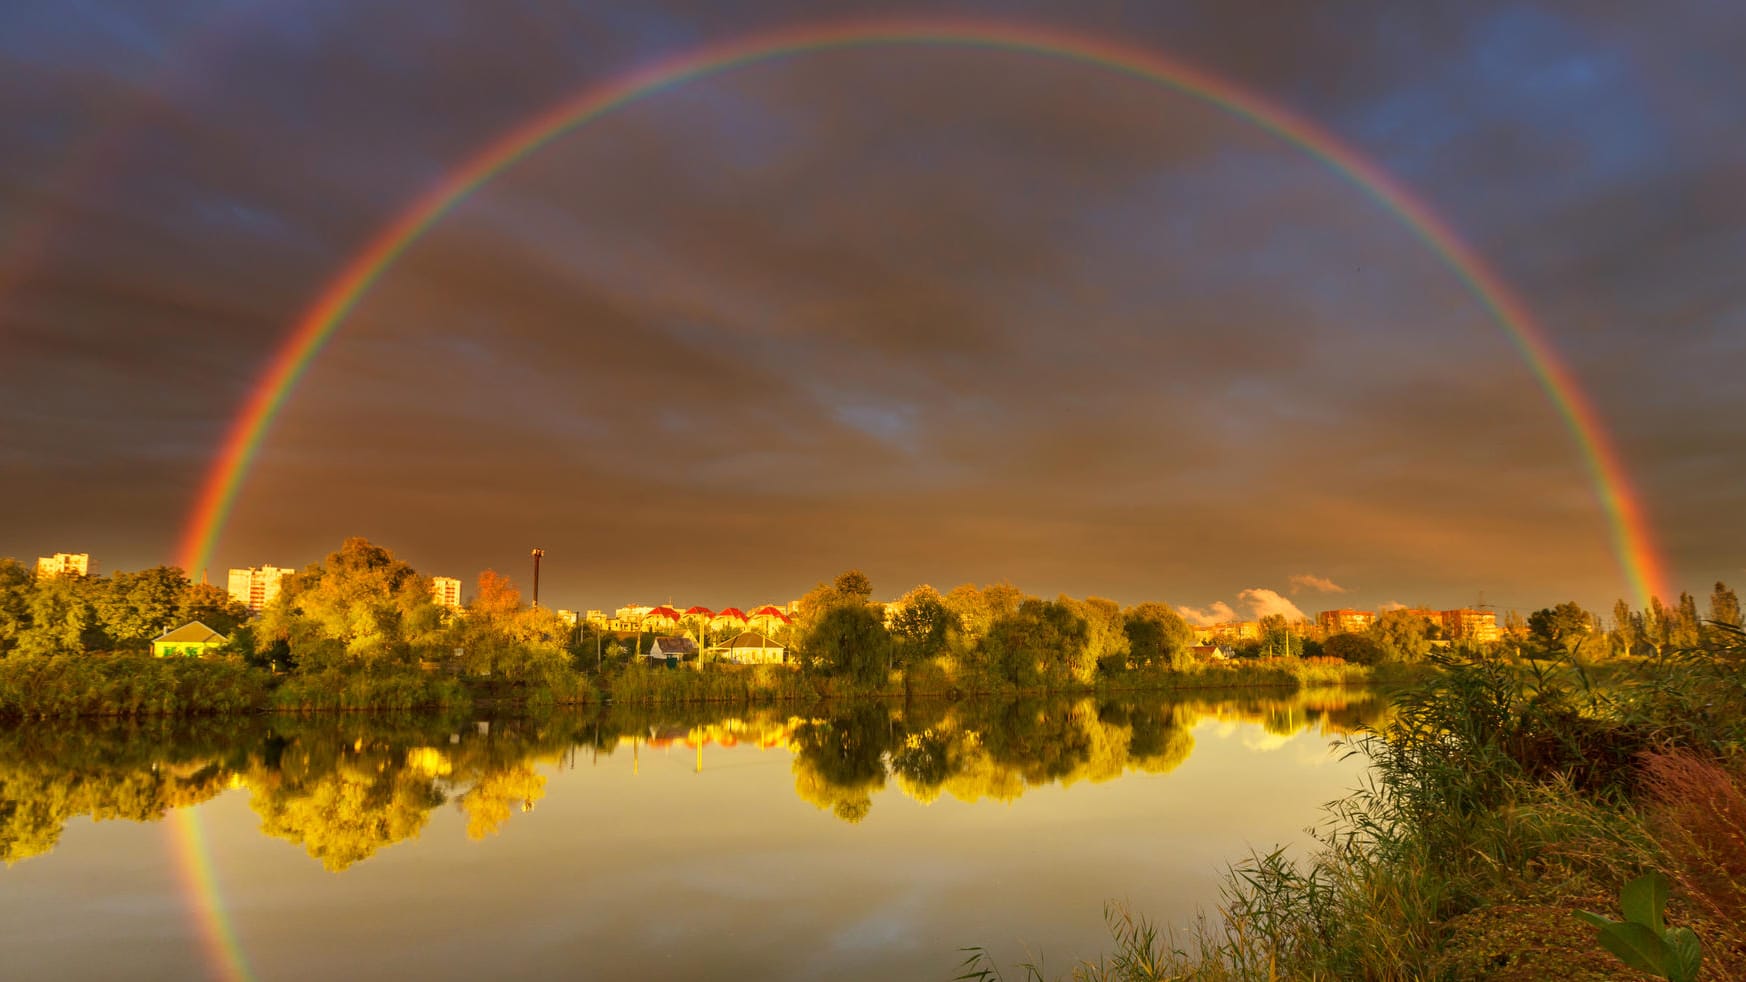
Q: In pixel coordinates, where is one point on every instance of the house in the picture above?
(674, 648)
(191, 640)
(752, 648)
(1213, 652)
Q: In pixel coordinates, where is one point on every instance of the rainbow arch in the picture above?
(1632, 538)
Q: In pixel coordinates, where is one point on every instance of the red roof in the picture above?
(734, 612)
(663, 612)
(771, 611)
(699, 612)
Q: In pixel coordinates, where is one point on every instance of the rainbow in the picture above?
(200, 881)
(1631, 536)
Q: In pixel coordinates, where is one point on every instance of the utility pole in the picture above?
(537, 553)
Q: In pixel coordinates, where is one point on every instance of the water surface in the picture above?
(866, 841)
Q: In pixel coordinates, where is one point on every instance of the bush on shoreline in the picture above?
(45, 687)
(1503, 800)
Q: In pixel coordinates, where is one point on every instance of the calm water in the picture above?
(867, 842)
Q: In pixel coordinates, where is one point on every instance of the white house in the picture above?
(752, 648)
(678, 648)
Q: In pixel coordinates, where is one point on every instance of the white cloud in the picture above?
(1219, 613)
(1392, 605)
(1257, 602)
(1310, 581)
(1263, 602)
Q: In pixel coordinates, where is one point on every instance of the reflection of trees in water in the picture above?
(343, 787)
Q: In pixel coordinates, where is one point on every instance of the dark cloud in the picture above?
(945, 314)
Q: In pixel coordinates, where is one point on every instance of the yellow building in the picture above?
(191, 640)
(446, 591)
(1471, 625)
(64, 564)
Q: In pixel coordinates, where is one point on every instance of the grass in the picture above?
(1503, 799)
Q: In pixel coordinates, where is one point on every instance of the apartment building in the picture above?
(256, 586)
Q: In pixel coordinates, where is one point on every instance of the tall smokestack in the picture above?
(537, 553)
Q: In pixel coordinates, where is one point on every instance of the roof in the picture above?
(662, 612)
(733, 612)
(751, 639)
(700, 611)
(684, 645)
(192, 632)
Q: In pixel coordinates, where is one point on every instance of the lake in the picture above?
(863, 842)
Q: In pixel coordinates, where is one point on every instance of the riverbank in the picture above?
(1505, 801)
(66, 687)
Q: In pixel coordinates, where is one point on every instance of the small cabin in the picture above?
(672, 648)
(191, 640)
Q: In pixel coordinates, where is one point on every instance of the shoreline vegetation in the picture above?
(1504, 802)
(35, 687)
(362, 631)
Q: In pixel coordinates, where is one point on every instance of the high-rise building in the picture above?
(1345, 620)
(64, 564)
(446, 591)
(256, 586)
(1472, 625)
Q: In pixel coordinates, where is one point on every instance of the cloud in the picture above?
(1258, 602)
(1219, 613)
(1264, 602)
(1391, 605)
(1310, 581)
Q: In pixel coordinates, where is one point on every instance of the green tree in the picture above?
(1157, 636)
(62, 620)
(921, 624)
(1105, 637)
(1561, 628)
(1402, 635)
(16, 583)
(1024, 647)
(850, 641)
(1358, 649)
(134, 608)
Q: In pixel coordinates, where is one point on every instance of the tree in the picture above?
(212, 606)
(1627, 631)
(1687, 630)
(1105, 637)
(15, 588)
(853, 585)
(978, 608)
(1355, 648)
(1561, 628)
(362, 605)
(62, 620)
(1402, 635)
(1157, 636)
(1277, 637)
(1023, 647)
(920, 624)
(1724, 605)
(849, 640)
(850, 588)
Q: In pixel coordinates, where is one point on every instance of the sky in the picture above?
(943, 314)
